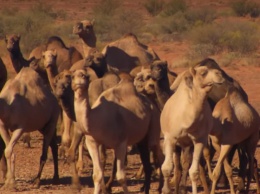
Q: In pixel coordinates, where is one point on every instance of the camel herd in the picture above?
(124, 96)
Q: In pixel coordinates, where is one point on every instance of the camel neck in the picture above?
(198, 98)
(67, 105)
(18, 60)
(89, 43)
(162, 89)
(52, 71)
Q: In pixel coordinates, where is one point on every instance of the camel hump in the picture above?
(56, 40)
(223, 110)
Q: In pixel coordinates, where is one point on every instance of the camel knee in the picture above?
(120, 176)
(194, 174)
(97, 176)
(167, 169)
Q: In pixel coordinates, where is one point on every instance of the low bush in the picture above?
(245, 7)
(154, 7)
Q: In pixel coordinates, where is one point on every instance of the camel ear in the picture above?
(189, 80)
(192, 71)
(43, 53)
(92, 22)
(55, 52)
(18, 36)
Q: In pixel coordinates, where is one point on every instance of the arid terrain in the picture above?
(27, 159)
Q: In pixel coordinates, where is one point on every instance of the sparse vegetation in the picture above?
(154, 7)
(245, 7)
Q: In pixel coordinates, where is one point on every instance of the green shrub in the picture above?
(174, 6)
(115, 23)
(237, 36)
(154, 7)
(200, 15)
(244, 7)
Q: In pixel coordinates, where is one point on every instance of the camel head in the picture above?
(96, 61)
(84, 28)
(49, 58)
(204, 77)
(159, 69)
(144, 82)
(12, 42)
(62, 83)
(80, 80)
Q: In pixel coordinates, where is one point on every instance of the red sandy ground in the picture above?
(27, 159)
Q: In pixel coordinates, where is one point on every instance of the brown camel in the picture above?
(127, 52)
(237, 123)
(85, 30)
(186, 120)
(26, 92)
(13, 47)
(137, 107)
(3, 74)
(66, 56)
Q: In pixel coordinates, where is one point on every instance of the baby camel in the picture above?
(27, 105)
(186, 119)
(238, 124)
(118, 118)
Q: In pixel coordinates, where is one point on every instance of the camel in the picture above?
(66, 56)
(137, 110)
(186, 120)
(85, 30)
(13, 47)
(238, 123)
(27, 105)
(3, 74)
(127, 52)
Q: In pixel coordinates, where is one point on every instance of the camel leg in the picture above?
(177, 170)
(3, 163)
(216, 172)
(207, 157)
(112, 176)
(243, 160)
(98, 175)
(186, 158)
(194, 169)
(79, 164)
(145, 158)
(77, 136)
(54, 150)
(228, 171)
(10, 157)
(120, 153)
(203, 178)
(167, 165)
(158, 161)
(65, 138)
(256, 176)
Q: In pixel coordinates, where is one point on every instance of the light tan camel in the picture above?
(127, 52)
(85, 30)
(27, 105)
(186, 120)
(238, 123)
(135, 115)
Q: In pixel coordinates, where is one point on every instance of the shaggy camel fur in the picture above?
(66, 56)
(127, 52)
(137, 110)
(13, 46)
(239, 125)
(186, 120)
(85, 30)
(26, 92)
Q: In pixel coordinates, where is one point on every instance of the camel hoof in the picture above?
(166, 190)
(61, 152)
(240, 184)
(36, 183)
(76, 186)
(10, 186)
(56, 180)
(182, 190)
(79, 167)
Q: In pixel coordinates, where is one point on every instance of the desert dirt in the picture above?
(27, 159)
